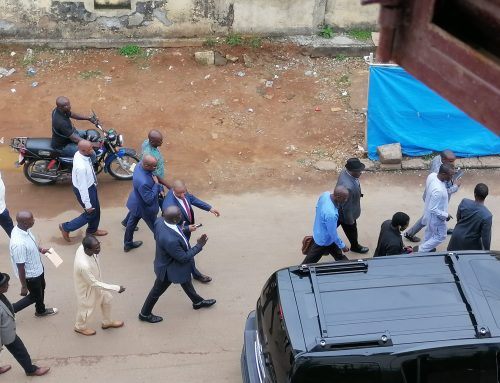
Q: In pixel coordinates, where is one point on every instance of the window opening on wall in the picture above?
(112, 4)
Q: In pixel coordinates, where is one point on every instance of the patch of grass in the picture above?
(210, 42)
(341, 57)
(344, 80)
(234, 39)
(130, 50)
(360, 34)
(429, 156)
(254, 42)
(326, 31)
(88, 74)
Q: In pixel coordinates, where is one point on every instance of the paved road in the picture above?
(256, 234)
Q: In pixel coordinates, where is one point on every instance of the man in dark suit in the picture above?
(473, 228)
(179, 196)
(351, 210)
(390, 241)
(142, 201)
(172, 263)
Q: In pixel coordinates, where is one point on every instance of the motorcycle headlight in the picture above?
(120, 140)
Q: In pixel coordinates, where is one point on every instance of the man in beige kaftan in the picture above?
(90, 290)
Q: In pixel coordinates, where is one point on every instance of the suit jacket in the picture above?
(143, 199)
(7, 323)
(389, 241)
(173, 257)
(473, 228)
(351, 210)
(192, 201)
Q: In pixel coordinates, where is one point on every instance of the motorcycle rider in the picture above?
(65, 136)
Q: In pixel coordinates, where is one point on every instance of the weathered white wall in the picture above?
(78, 19)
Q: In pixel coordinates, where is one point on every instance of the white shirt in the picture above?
(83, 177)
(436, 199)
(2, 195)
(176, 229)
(24, 249)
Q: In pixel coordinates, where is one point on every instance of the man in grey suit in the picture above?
(351, 210)
(8, 336)
(172, 263)
(473, 228)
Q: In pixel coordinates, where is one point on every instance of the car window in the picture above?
(339, 373)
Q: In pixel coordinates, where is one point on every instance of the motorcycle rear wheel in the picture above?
(39, 166)
(123, 172)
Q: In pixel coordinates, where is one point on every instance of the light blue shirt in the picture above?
(325, 222)
(24, 249)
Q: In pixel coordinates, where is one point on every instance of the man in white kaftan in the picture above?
(90, 290)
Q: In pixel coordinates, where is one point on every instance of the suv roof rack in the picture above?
(353, 341)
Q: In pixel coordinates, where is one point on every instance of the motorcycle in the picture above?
(43, 165)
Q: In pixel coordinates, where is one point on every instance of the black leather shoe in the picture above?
(204, 303)
(449, 231)
(151, 318)
(203, 278)
(134, 245)
(124, 224)
(360, 249)
(412, 238)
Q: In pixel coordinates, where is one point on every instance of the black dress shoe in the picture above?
(151, 318)
(412, 238)
(360, 249)
(204, 303)
(134, 245)
(203, 278)
(449, 231)
(124, 224)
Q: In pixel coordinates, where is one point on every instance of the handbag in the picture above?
(306, 244)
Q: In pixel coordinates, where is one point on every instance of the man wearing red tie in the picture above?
(179, 196)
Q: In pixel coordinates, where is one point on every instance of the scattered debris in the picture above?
(124, 108)
(214, 137)
(240, 74)
(108, 78)
(170, 67)
(13, 90)
(31, 71)
(4, 72)
(344, 93)
(268, 96)
(217, 102)
(207, 77)
(317, 109)
(12, 54)
(34, 84)
(336, 109)
(233, 59)
(250, 110)
(205, 57)
(28, 56)
(269, 84)
(310, 73)
(247, 60)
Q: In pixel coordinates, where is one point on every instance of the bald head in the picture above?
(63, 105)
(447, 156)
(85, 147)
(155, 138)
(149, 162)
(179, 188)
(25, 220)
(340, 195)
(172, 214)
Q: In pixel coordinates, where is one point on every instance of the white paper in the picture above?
(54, 257)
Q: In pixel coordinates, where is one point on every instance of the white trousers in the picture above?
(435, 234)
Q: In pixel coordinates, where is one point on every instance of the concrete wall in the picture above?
(80, 19)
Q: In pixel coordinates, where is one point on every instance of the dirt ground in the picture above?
(223, 132)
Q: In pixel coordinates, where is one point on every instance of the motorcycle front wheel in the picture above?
(123, 168)
(36, 172)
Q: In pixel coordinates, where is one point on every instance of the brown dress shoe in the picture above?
(99, 233)
(85, 331)
(5, 368)
(64, 233)
(39, 371)
(113, 324)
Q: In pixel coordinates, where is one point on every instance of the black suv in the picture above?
(398, 319)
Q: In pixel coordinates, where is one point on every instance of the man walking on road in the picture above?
(172, 263)
(85, 188)
(351, 210)
(473, 228)
(90, 290)
(5, 220)
(436, 208)
(28, 266)
(180, 197)
(325, 237)
(151, 146)
(9, 338)
(452, 186)
(142, 201)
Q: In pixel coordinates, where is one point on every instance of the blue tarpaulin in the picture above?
(402, 109)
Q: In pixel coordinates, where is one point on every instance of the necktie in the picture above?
(188, 209)
(183, 236)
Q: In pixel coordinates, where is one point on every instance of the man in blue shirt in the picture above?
(325, 237)
(143, 200)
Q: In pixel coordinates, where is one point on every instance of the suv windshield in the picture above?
(339, 373)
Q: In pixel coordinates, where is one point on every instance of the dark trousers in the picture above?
(160, 287)
(351, 232)
(6, 222)
(92, 219)
(132, 224)
(36, 288)
(194, 271)
(19, 352)
(316, 252)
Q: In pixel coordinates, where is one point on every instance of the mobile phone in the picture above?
(198, 225)
(458, 174)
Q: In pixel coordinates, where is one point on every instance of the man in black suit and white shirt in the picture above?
(351, 210)
(172, 263)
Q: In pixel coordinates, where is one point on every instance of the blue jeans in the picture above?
(132, 221)
(70, 149)
(6, 222)
(92, 219)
